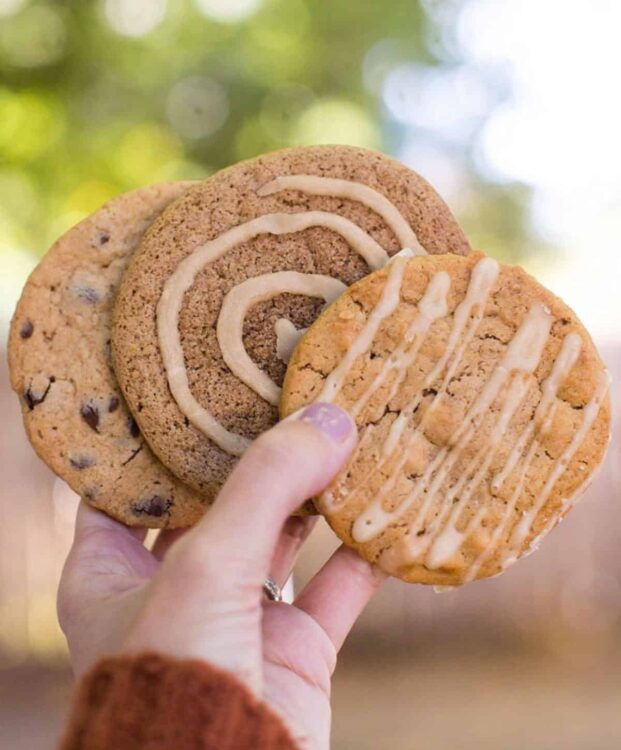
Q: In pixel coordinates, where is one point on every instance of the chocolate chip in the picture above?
(82, 462)
(134, 430)
(88, 294)
(108, 353)
(90, 414)
(104, 238)
(113, 404)
(156, 506)
(34, 398)
(26, 330)
(31, 399)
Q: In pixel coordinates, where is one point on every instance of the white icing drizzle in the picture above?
(180, 281)
(432, 306)
(567, 356)
(589, 414)
(435, 542)
(468, 313)
(522, 354)
(287, 338)
(355, 191)
(441, 548)
(564, 362)
(387, 304)
(238, 302)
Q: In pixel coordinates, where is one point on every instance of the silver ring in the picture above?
(272, 590)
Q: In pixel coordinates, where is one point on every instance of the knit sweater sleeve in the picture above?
(151, 702)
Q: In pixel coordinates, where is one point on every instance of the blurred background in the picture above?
(511, 110)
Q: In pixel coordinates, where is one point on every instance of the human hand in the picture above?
(199, 594)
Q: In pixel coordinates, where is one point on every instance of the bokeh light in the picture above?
(184, 169)
(197, 107)
(89, 196)
(33, 38)
(135, 18)
(441, 167)
(30, 124)
(380, 60)
(450, 101)
(282, 107)
(19, 205)
(279, 50)
(252, 138)
(336, 121)
(558, 94)
(14, 270)
(9, 7)
(558, 133)
(228, 11)
(143, 152)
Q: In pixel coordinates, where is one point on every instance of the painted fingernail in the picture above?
(332, 421)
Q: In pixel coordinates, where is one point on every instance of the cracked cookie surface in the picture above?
(61, 368)
(482, 410)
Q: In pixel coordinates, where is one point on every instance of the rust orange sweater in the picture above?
(151, 702)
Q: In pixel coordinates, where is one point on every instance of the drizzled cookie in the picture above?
(482, 409)
(61, 368)
(228, 278)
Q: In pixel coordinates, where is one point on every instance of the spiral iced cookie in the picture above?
(59, 357)
(218, 292)
(482, 409)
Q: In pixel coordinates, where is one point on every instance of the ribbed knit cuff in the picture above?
(151, 702)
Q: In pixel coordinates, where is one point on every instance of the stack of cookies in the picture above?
(162, 334)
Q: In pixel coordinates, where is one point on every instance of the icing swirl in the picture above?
(240, 299)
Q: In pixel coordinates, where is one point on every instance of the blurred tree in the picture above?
(101, 97)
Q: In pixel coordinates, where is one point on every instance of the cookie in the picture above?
(482, 410)
(215, 298)
(60, 363)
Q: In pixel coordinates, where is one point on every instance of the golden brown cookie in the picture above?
(482, 409)
(214, 298)
(60, 362)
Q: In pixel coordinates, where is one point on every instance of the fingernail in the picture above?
(332, 421)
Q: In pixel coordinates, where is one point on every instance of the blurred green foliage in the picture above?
(91, 104)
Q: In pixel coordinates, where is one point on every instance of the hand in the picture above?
(199, 594)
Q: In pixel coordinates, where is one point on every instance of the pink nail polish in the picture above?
(330, 419)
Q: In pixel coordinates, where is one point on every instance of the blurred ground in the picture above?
(476, 699)
(439, 698)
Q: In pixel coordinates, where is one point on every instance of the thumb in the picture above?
(212, 577)
(286, 465)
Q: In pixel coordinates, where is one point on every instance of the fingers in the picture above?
(89, 520)
(103, 551)
(99, 535)
(212, 577)
(282, 468)
(294, 533)
(339, 592)
(165, 540)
